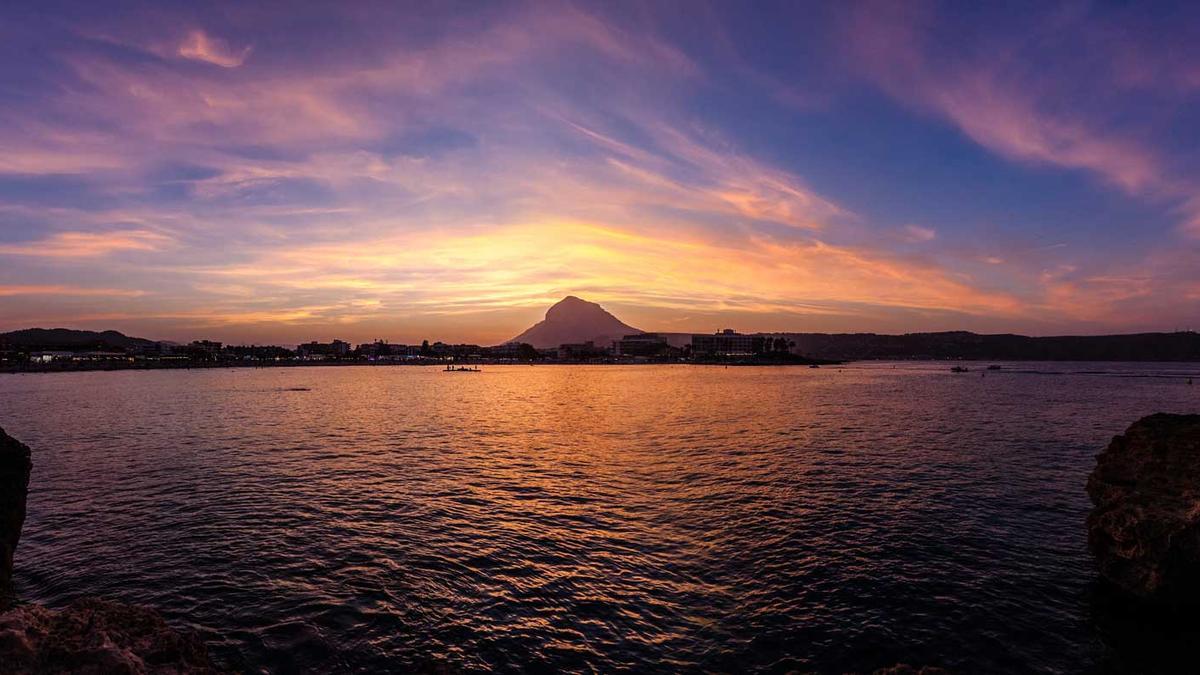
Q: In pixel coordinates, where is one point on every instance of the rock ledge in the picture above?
(89, 635)
(1145, 528)
(95, 636)
(15, 466)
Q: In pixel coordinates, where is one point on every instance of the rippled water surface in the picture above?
(648, 519)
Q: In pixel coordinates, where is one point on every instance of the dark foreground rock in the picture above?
(90, 635)
(1145, 528)
(14, 483)
(94, 636)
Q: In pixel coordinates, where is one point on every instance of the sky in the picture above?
(283, 172)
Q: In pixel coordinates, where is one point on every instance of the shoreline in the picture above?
(111, 367)
(83, 367)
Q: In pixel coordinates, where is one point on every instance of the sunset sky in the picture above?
(286, 172)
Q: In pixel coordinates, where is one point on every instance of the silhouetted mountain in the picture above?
(1182, 346)
(572, 320)
(66, 339)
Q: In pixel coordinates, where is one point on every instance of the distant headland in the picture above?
(577, 331)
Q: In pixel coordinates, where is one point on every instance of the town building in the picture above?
(48, 356)
(335, 349)
(376, 349)
(203, 350)
(641, 344)
(582, 351)
(508, 350)
(728, 343)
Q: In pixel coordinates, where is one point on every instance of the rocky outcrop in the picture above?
(94, 636)
(90, 635)
(14, 484)
(1145, 528)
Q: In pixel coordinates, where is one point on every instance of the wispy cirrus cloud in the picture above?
(1072, 115)
(918, 234)
(71, 291)
(457, 174)
(429, 275)
(199, 46)
(1000, 101)
(88, 244)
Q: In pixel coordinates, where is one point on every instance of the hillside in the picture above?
(1181, 346)
(66, 339)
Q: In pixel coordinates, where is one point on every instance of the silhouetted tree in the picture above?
(526, 352)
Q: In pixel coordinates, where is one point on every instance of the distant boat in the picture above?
(960, 369)
(993, 367)
(814, 366)
(462, 369)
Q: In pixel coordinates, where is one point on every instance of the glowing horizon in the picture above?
(282, 174)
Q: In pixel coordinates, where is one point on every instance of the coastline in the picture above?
(82, 367)
(111, 366)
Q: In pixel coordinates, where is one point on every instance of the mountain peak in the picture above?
(572, 305)
(575, 320)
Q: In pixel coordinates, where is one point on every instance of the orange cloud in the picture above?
(320, 212)
(449, 272)
(78, 291)
(198, 46)
(89, 244)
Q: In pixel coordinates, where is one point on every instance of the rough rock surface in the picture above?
(1145, 528)
(14, 484)
(90, 635)
(94, 636)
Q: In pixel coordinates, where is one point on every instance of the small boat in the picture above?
(960, 369)
(462, 369)
(814, 366)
